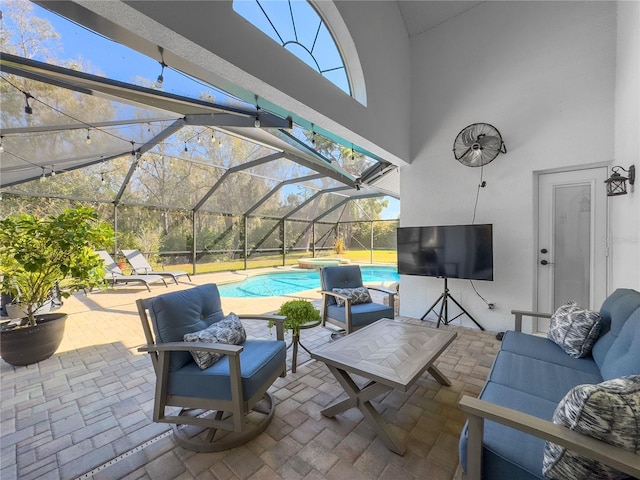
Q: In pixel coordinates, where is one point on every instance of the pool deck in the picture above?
(86, 411)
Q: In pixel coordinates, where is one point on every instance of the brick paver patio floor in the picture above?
(86, 412)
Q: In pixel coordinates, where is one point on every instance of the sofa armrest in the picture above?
(523, 313)
(478, 410)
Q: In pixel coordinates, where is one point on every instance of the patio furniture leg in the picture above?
(361, 398)
(440, 377)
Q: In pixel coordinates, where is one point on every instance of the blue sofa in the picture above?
(529, 377)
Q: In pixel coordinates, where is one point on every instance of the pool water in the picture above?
(276, 284)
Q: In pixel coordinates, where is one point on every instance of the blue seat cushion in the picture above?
(542, 379)
(623, 357)
(259, 360)
(615, 310)
(362, 314)
(177, 313)
(509, 453)
(541, 348)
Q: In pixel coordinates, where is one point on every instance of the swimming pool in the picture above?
(277, 283)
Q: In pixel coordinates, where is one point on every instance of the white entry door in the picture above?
(572, 240)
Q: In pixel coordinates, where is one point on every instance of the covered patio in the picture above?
(86, 411)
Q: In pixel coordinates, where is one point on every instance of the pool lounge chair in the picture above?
(141, 266)
(115, 276)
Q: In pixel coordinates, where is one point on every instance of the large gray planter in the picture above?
(27, 345)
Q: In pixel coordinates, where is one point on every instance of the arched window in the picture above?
(297, 26)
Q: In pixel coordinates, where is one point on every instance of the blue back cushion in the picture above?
(348, 276)
(174, 314)
(623, 357)
(614, 312)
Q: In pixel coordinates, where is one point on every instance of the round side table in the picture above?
(296, 341)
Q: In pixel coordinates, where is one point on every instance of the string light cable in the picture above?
(84, 124)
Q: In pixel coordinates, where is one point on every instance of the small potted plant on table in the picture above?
(37, 257)
(301, 314)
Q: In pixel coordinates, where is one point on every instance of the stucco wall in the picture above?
(543, 73)
(246, 62)
(625, 210)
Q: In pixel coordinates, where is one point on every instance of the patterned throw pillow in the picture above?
(610, 412)
(229, 330)
(358, 295)
(574, 329)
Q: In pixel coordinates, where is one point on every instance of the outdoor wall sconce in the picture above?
(617, 184)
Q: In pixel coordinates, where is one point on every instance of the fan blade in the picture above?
(489, 142)
(469, 136)
(463, 155)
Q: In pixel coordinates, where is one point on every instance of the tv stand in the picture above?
(444, 308)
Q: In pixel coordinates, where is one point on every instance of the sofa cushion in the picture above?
(258, 359)
(540, 378)
(357, 295)
(574, 329)
(177, 313)
(615, 311)
(623, 357)
(509, 453)
(535, 346)
(229, 331)
(610, 412)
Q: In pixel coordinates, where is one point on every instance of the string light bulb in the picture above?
(53, 171)
(27, 109)
(133, 148)
(88, 139)
(1, 144)
(160, 79)
(43, 177)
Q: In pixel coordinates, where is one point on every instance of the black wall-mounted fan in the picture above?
(478, 144)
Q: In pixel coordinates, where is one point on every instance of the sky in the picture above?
(124, 64)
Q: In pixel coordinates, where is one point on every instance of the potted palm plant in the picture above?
(43, 260)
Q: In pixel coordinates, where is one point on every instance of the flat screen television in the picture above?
(447, 251)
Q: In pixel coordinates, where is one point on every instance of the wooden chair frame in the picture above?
(225, 415)
(348, 323)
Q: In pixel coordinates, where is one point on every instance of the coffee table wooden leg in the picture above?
(384, 431)
(361, 398)
(438, 375)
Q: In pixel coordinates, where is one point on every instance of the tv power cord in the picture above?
(490, 305)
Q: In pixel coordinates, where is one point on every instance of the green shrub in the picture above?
(298, 312)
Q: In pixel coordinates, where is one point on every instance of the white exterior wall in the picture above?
(625, 210)
(543, 73)
(219, 46)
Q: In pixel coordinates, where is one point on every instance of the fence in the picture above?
(205, 241)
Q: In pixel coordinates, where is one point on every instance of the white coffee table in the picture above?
(390, 354)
